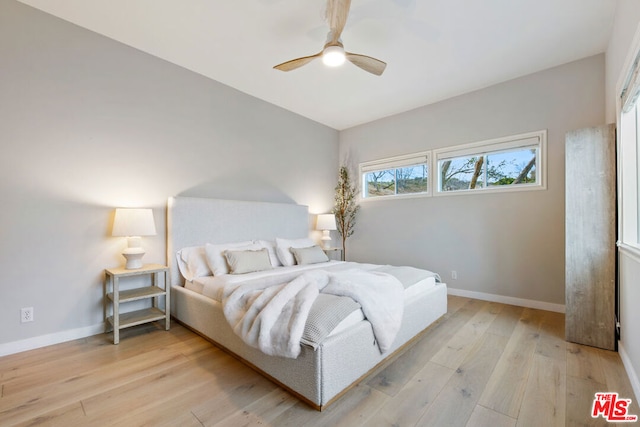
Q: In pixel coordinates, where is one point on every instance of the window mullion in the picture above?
(484, 174)
(395, 187)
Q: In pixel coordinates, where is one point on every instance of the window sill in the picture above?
(395, 197)
(629, 250)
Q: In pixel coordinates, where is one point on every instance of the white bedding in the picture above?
(213, 286)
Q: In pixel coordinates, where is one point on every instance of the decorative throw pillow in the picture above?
(248, 261)
(284, 254)
(215, 255)
(311, 255)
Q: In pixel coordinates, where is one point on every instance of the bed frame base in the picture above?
(382, 364)
(316, 377)
(254, 367)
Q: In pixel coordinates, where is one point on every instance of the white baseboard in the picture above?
(50, 339)
(521, 302)
(631, 372)
(73, 334)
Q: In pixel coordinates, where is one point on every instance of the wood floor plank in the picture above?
(100, 353)
(355, 409)
(455, 303)
(163, 419)
(70, 415)
(584, 362)
(506, 321)
(147, 390)
(484, 417)
(505, 389)
(617, 379)
(393, 377)
(460, 344)
(50, 396)
(260, 412)
(167, 378)
(457, 400)
(166, 402)
(406, 407)
(302, 414)
(544, 397)
(360, 403)
(580, 395)
(551, 342)
(222, 405)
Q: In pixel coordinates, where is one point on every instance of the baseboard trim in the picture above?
(521, 302)
(631, 372)
(73, 334)
(49, 339)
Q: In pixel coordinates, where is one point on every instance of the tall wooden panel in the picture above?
(590, 227)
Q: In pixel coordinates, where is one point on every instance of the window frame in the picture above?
(628, 151)
(396, 162)
(494, 146)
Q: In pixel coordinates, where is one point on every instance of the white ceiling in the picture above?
(435, 49)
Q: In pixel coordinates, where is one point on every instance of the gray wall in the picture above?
(625, 26)
(87, 125)
(509, 244)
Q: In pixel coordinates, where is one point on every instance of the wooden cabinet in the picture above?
(114, 296)
(590, 236)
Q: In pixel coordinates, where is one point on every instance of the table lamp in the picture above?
(132, 224)
(326, 222)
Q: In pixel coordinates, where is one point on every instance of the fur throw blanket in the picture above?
(270, 314)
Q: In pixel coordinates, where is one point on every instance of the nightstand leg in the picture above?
(105, 290)
(116, 311)
(167, 300)
(154, 283)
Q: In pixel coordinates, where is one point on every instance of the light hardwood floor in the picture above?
(482, 364)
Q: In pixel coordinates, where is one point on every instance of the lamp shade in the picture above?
(326, 222)
(133, 222)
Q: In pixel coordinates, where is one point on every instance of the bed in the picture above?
(320, 373)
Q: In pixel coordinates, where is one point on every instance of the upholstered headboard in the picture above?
(196, 221)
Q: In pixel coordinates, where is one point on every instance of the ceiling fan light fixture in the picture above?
(333, 56)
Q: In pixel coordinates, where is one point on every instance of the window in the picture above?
(397, 176)
(629, 159)
(510, 163)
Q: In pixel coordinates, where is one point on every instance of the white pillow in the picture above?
(241, 262)
(215, 255)
(270, 246)
(312, 255)
(284, 254)
(192, 262)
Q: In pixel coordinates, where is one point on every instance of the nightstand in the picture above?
(113, 295)
(334, 253)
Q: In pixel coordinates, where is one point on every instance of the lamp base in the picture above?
(133, 257)
(326, 239)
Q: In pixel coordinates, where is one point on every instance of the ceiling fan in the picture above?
(333, 53)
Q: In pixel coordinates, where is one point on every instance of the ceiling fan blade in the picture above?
(367, 63)
(296, 63)
(337, 13)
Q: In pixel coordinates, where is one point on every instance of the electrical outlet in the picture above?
(454, 275)
(26, 315)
